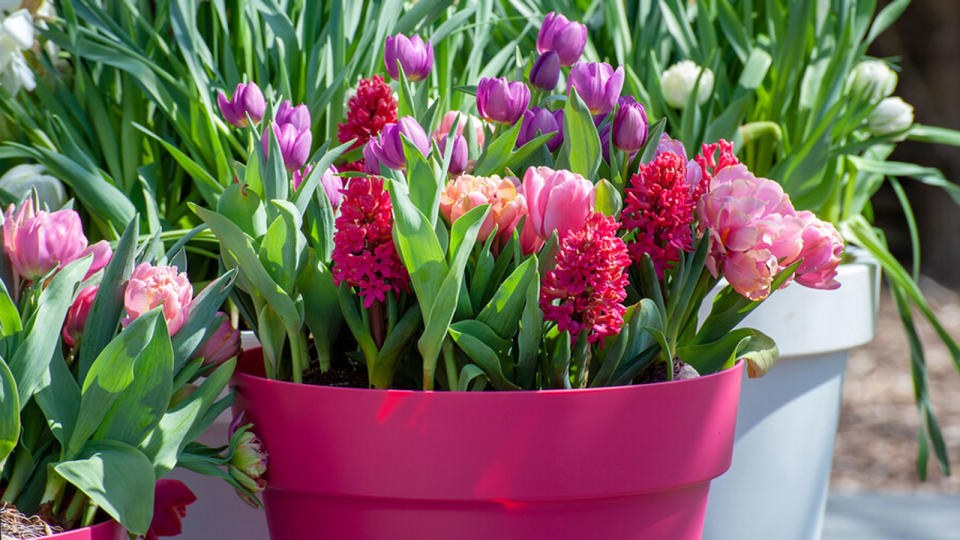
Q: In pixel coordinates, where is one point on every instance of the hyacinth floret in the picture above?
(364, 255)
(586, 288)
(710, 162)
(659, 211)
(369, 110)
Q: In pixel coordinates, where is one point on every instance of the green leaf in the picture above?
(242, 206)
(58, 397)
(418, 247)
(32, 358)
(485, 357)
(200, 323)
(756, 348)
(322, 315)
(471, 378)
(608, 200)
(9, 315)
(497, 153)
(502, 313)
(118, 478)
(528, 341)
(581, 151)
(9, 412)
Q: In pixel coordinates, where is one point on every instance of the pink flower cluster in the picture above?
(755, 233)
(586, 288)
(364, 255)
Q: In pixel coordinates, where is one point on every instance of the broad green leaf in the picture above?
(118, 478)
(608, 200)
(754, 347)
(497, 152)
(418, 247)
(528, 340)
(322, 311)
(484, 357)
(580, 152)
(502, 313)
(9, 315)
(9, 412)
(200, 321)
(58, 396)
(243, 207)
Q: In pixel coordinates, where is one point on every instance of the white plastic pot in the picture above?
(219, 512)
(787, 422)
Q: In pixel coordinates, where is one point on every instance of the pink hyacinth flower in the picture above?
(152, 286)
(556, 201)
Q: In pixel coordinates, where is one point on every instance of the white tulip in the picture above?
(16, 34)
(873, 79)
(678, 81)
(890, 116)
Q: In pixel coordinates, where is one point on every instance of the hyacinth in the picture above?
(369, 110)
(364, 255)
(586, 288)
(659, 210)
(712, 159)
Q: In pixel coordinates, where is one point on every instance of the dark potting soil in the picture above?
(344, 375)
(657, 372)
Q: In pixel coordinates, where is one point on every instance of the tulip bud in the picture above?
(678, 81)
(77, 316)
(458, 156)
(152, 286)
(371, 165)
(890, 116)
(294, 144)
(38, 242)
(501, 101)
(414, 54)
(630, 126)
(537, 121)
(389, 149)
(462, 120)
(597, 84)
(170, 501)
(546, 71)
(223, 345)
(556, 201)
(873, 79)
(249, 463)
(299, 116)
(562, 36)
(247, 100)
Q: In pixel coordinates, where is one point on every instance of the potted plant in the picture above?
(109, 368)
(387, 301)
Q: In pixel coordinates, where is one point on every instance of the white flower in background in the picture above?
(891, 115)
(16, 34)
(678, 81)
(873, 79)
(21, 180)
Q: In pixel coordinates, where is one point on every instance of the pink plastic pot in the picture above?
(108, 530)
(611, 463)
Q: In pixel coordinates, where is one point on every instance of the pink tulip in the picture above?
(77, 316)
(822, 250)
(223, 345)
(556, 201)
(170, 501)
(37, 242)
(754, 230)
(152, 286)
(462, 120)
(466, 192)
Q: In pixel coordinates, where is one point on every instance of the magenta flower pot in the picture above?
(108, 530)
(621, 462)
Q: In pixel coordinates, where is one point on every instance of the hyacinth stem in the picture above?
(378, 323)
(298, 354)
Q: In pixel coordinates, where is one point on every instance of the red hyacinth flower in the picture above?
(711, 163)
(170, 501)
(586, 288)
(364, 255)
(660, 210)
(369, 110)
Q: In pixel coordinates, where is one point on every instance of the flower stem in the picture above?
(89, 514)
(450, 364)
(76, 505)
(377, 323)
(22, 467)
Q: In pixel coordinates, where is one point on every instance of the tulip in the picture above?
(873, 79)
(21, 180)
(466, 192)
(556, 201)
(630, 126)
(562, 36)
(462, 120)
(546, 71)
(247, 100)
(223, 345)
(891, 115)
(678, 81)
(537, 121)
(299, 116)
(822, 252)
(414, 54)
(389, 149)
(597, 84)
(170, 501)
(458, 156)
(371, 165)
(501, 101)
(16, 35)
(37, 242)
(294, 144)
(152, 286)
(77, 316)
(332, 184)
(249, 464)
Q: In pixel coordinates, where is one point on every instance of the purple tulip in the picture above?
(630, 125)
(299, 116)
(537, 121)
(458, 156)
(389, 149)
(371, 165)
(546, 71)
(501, 101)
(294, 144)
(597, 84)
(565, 37)
(247, 100)
(414, 54)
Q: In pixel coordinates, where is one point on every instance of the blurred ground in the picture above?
(876, 442)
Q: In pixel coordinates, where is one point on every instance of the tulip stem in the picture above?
(76, 505)
(89, 514)
(450, 364)
(22, 467)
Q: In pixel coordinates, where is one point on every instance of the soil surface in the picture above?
(877, 439)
